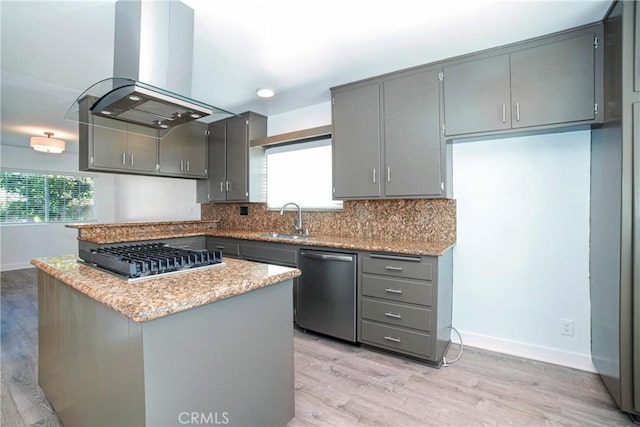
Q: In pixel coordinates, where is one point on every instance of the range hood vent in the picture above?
(153, 42)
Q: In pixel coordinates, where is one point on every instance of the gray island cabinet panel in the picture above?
(231, 360)
(412, 146)
(356, 142)
(477, 96)
(553, 83)
(183, 152)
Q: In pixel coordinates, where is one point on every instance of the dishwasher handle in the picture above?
(326, 256)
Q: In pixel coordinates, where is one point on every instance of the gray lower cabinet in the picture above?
(405, 304)
(229, 247)
(547, 82)
(236, 171)
(183, 152)
(386, 137)
(273, 253)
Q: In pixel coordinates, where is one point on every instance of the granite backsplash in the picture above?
(413, 219)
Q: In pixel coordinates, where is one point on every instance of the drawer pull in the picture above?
(388, 338)
(395, 316)
(393, 291)
(392, 268)
(220, 247)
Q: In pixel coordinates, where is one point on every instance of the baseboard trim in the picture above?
(529, 351)
(15, 266)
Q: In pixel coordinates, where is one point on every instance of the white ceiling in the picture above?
(53, 50)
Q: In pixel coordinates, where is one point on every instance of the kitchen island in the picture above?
(213, 346)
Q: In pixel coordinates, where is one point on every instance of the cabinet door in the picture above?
(477, 96)
(142, 147)
(217, 161)
(356, 142)
(195, 149)
(170, 157)
(553, 83)
(412, 135)
(109, 143)
(636, 61)
(237, 159)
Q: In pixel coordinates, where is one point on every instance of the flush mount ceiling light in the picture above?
(48, 144)
(265, 93)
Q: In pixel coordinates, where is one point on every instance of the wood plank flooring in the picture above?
(338, 384)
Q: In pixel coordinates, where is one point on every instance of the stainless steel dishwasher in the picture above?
(327, 293)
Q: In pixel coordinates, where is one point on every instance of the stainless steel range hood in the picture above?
(153, 42)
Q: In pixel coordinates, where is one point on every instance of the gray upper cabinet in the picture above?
(183, 152)
(548, 82)
(477, 96)
(236, 171)
(114, 146)
(386, 137)
(356, 141)
(636, 61)
(553, 83)
(412, 145)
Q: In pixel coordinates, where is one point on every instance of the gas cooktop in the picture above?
(140, 261)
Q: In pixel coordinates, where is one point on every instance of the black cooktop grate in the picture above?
(141, 260)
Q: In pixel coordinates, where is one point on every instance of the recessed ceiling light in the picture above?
(135, 98)
(106, 113)
(164, 126)
(265, 93)
(195, 116)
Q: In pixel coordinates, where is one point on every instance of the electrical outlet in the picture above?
(566, 327)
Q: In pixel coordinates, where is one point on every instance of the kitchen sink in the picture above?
(285, 236)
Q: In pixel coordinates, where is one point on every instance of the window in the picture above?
(301, 173)
(35, 198)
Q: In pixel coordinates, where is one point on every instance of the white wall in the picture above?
(521, 261)
(118, 198)
(303, 118)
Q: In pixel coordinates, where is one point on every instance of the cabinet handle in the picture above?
(388, 174)
(131, 159)
(221, 187)
(395, 316)
(124, 159)
(392, 268)
(188, 166)
(504, 113)
(227, 185)
(388, 338)
(181, 165)
(220, 247)
(393, 291)
(374, 175)
(517, 111)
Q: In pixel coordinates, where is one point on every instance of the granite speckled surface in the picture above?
(431, 220)
(153, 298)
(411, 247)
(132, 231)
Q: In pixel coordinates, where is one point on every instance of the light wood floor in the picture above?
(341, 384)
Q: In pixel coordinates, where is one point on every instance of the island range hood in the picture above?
(153, 56)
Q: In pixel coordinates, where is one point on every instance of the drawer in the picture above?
(413, 267)
(397, 314)
(397, 289)
(270, 252)
(397, 339)
(228, 247)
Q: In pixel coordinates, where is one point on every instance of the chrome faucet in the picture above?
(297, 224)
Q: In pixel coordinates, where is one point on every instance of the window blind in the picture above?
(35, 198)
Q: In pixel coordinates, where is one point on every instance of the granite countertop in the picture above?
(413, 247)
(157, 297)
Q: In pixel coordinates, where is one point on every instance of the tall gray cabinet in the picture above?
(236, 170)
(614, 238)
(386, 139)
